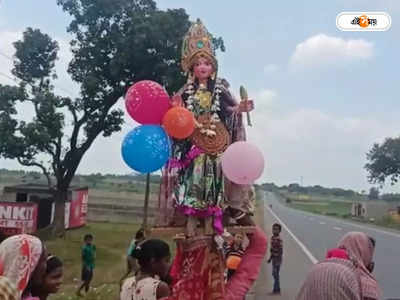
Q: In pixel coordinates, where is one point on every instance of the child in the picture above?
(276, 256)
(130, 260)
(227, 243)
(139, 237)
(234, 254)
(52, 280)
(88, 263)
(153, 257)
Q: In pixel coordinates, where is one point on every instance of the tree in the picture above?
(373, 193)
(115, 43)
(384, 162)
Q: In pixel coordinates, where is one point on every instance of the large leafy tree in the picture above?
(115, 43)
(384, 162)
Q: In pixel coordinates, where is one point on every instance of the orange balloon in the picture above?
(233, 262)
(179, 122)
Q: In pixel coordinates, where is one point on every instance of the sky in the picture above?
(322, 96)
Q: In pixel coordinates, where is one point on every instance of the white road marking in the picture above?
(322, 223)
(302, 246)
(337, 228)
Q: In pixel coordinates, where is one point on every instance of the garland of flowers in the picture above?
(215, 98)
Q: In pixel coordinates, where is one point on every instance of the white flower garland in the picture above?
(215, 98)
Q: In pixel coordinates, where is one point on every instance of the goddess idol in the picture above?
(193, 185)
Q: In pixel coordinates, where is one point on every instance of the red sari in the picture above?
(198, 270)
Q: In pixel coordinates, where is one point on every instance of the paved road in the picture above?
(319, 233)
(295, 264)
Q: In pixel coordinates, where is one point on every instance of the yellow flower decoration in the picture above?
(204, 98)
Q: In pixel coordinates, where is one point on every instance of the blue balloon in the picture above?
(146, 148)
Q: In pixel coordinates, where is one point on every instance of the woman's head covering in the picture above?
(361, 250)
(7, 289)
(359, 247)
(19, 256)
(344, 279)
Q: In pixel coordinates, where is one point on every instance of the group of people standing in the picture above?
(345, 274)
(28, 271)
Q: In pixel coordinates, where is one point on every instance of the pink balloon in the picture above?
(243, 163)
(147, 102)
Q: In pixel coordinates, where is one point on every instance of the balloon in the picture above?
(146, 148)
(147, 102)
(179, 122)
(242, 163)
(233, 262)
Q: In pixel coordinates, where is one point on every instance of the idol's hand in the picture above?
(245, 106)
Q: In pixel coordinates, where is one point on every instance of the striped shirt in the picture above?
(233, 251)
(276, 248)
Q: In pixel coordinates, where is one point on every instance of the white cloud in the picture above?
(264, 100)
(323, 148)
(322, 50)
(271, 68)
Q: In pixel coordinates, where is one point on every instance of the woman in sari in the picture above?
(23, 262)
(344, 279)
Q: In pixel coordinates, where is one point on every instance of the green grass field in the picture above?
(388, 222)
(335, 206)
(332, 208)
(111, 240)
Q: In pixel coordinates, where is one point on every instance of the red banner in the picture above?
(18, 217)
(78, 209)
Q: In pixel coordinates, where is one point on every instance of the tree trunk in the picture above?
(60, 198)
